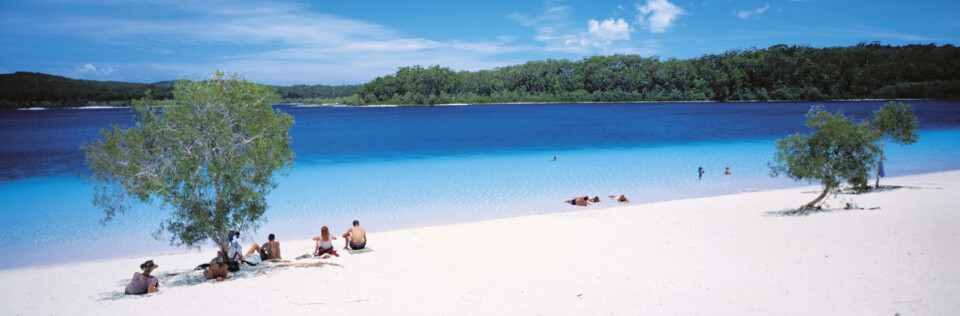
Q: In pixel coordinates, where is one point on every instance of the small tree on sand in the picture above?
(837, 151)
(210, 157)
(894, 122)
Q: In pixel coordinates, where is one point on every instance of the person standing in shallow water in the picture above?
(700, 173)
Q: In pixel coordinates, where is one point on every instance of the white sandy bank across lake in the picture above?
(726, 255)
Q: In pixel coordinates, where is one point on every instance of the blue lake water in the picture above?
(405, 167)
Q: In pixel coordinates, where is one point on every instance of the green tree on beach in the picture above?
(210, 156)
(894, 122)
(839, 150)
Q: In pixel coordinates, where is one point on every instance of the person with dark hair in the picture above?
(700, 173)
(355, 237)
(578, 201)
(622, 199)
(269, 250)
(216, 270)
(143, 283)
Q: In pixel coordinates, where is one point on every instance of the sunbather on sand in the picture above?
(143, 283)
(216, 270)
(579, 201)
(269, 250)
(621, 199)
(356, 237)
(324, 243)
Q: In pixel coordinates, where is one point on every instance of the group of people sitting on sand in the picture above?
(217, 268)
(355, 238)
(586, 200)
(143, 283)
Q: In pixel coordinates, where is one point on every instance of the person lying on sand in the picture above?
(269, 250)
(143, 283)
(356, 237)
(621, 199)
(216, 270)
(324, 243)
(579, 201)
(596, 199)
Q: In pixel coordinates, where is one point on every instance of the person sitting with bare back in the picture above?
(355, 237)
(269, 250)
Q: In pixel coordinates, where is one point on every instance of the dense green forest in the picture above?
(27, 89)
(316, 94)
(779, 72)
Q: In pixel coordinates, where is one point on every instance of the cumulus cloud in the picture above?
(559, 32)
(91, 69)
(744, 14)
(609, 29)
(658, 15)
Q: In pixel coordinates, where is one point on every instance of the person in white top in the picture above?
(324, 243)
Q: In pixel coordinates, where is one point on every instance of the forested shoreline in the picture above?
(780, 72)
(28, 89)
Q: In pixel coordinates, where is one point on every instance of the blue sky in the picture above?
(348, 42)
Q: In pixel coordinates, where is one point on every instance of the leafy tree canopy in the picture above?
(893, 122)
(837, 151)
(209, 156)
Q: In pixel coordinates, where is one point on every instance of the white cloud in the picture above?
(91, 69)
(658, 15)
(288, 37)
(554, 28)
(551, 27)
(746, 14)
(609, 29)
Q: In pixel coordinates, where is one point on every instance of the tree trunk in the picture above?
(221, 240)
(880, 163)
(805, 207)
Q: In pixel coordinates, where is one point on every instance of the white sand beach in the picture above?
(725, 255)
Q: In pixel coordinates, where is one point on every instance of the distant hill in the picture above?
(30, 89)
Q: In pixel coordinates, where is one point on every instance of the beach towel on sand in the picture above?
(359, 251)
(304, 256)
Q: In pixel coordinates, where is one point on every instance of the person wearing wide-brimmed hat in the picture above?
(143, 283)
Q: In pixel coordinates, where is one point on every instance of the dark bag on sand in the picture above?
(233, 266)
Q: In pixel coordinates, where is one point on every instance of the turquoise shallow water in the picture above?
(49, 217)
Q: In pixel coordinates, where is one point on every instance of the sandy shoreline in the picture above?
(729, 255)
